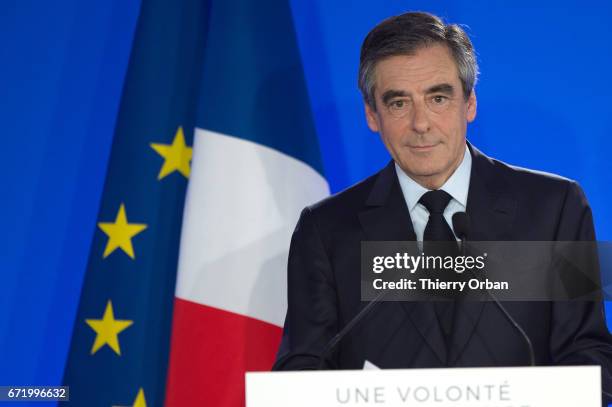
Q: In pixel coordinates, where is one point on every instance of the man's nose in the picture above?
(420, 118)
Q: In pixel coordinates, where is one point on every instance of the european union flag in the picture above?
(119, 349)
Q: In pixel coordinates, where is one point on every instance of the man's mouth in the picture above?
(421, 148)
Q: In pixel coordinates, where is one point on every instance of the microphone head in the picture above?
(461, 224)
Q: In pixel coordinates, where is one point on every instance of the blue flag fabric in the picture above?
(253, 84)
(119, 349)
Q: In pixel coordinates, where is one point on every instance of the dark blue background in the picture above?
(544, 101)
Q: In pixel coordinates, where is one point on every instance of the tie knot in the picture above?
(435, 201)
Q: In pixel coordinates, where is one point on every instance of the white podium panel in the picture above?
(457, 387)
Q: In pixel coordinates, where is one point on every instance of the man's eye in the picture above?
(438, 99)
(397, 104)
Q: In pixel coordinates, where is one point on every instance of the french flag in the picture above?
(256, 165)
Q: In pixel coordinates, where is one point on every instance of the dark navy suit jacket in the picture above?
(505, 203)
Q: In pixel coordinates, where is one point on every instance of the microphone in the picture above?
(461, 226)
(333, 343)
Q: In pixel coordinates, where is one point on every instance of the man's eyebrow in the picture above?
(442, 88)
(446, 88)
(390, 94)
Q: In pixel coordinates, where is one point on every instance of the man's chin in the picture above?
(422, 171)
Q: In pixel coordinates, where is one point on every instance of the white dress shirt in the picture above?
(456, 186)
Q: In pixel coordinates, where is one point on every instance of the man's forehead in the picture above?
(427, 67)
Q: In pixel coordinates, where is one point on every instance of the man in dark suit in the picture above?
(417, 76)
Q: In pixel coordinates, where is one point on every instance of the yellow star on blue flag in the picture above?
(107, 329)
(120, 233)
(139, 401)
(177, 156)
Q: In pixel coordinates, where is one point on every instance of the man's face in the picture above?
(421, 113)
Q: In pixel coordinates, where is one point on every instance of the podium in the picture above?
(564, 386)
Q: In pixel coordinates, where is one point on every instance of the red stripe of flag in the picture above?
(211, 349)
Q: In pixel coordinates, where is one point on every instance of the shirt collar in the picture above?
(457, 185)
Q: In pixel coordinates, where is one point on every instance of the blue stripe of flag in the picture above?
(253, 84)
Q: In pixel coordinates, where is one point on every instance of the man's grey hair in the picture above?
(407, 33)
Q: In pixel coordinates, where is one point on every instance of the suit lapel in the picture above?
(491, 204)
(386, 218)
(491, 208)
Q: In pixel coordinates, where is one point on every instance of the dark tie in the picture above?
(437, 230)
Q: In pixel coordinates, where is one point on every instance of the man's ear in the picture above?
(371, 118)
(471, 107)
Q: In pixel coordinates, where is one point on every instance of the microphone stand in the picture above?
(461, 226)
